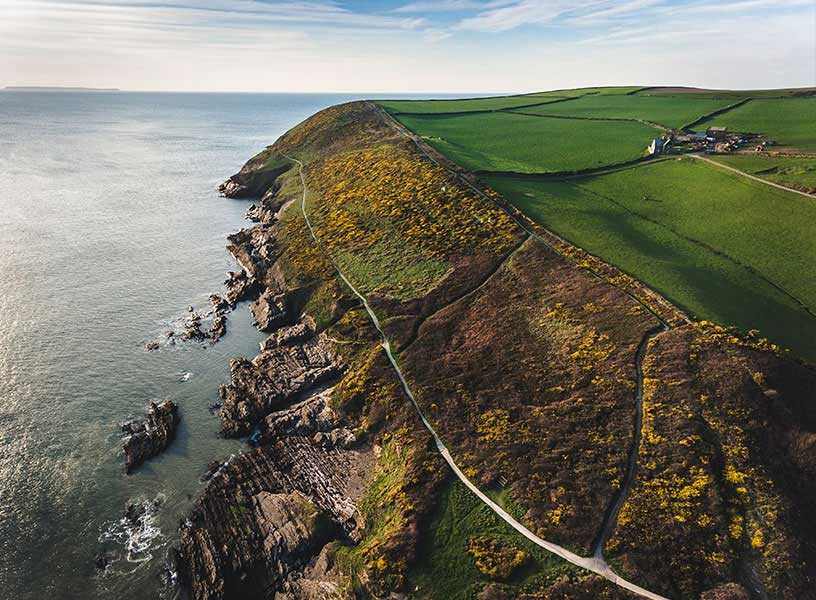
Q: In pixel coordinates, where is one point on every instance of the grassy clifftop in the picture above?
(525, 363)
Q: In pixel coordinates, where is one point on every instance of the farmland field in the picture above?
(733, 95)
(455, 106)
(509, 142)
(718, 245)
(791, 171)
(670, 111)
(791, 122)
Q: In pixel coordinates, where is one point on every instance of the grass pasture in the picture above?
(791, 171)
(791, 122)
(523, 144)
(715, 243)
(669, 111)
(432, 107)
(732, 95)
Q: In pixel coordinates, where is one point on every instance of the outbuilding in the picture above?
(718, 133)
(659, 146)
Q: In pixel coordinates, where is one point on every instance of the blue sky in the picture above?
(406, 46)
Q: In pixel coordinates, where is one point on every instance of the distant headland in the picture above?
(50, 88)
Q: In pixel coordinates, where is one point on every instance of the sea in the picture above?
(111, 226)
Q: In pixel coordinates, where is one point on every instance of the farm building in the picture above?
(659, 146)
(718, 133)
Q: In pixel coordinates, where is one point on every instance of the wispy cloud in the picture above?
(413, 44)
(440, 6)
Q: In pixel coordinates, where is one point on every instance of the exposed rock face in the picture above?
(148, 437)
(253, 180)
(295, 334)
(265, 516)
(275, 377)
(269, 311)
(239, 287)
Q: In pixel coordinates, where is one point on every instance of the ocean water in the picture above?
(110, 226)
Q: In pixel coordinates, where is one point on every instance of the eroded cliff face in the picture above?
(523, 359)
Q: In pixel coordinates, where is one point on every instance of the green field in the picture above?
(444, 569)
(791, 122)
(518, 143)
(795, 172)
(669, 111)
(733, 95)
(432, 107)
(715, 243)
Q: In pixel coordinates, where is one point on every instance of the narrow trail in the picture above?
(615, 506)
(749, 176)
(596, 563)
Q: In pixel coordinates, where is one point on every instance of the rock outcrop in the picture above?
(254, 179)
(266, 515)
(276, 377)
(150, 436)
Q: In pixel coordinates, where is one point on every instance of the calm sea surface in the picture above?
(110, 226)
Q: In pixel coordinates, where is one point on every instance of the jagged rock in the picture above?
(265, 515)
(239, 287)
(294, 334)
(192, 328)
(317, 581)
(254, 179)
(148, 437)
(274, 377)
(269, 311)
(218, 328)
(219, 304)
(253, 213)
(232, 189)
(151, 345)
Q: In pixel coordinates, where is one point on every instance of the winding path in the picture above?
(749, 176)
(596, 563)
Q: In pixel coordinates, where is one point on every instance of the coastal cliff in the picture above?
(527, 358)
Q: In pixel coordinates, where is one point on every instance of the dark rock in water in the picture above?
(152, 345)
(102, 561)
(192, 328)
(218, 328)
(240, 287)
(269, 311)
(219, 304)
(148, 437)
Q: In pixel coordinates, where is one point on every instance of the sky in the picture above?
(406, 46)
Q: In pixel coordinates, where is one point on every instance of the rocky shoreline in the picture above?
(266, 517)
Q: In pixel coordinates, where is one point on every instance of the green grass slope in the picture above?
(447, 571)
(791, 122)
(669, 111)
(709, 240)
(510, 142)
(795, 172)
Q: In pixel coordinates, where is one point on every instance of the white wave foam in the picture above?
(136, 534)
